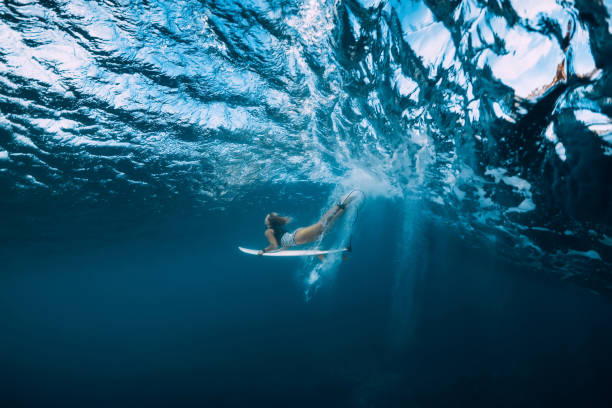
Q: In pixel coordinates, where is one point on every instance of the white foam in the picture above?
(366, 181)
(4, 155)
(369, 3)
(313, 277)
(525, 206)
(588, 254)
(531, 63)
(584, 63)
(549, 133)
(433, 44)
(468, 11)
(437, 199)
(405, 85)
(371, 183)
(413, 14)
(589, 117)
(598, 123)
(459, 193)
(501, 114)
(33, 180)
(25, 141)
(354, 23)
(519, 185)
(517, 182)
(529, 9)
(560, 149)
(474, 110)
(429, 39)
(496, 173)
(485, 202)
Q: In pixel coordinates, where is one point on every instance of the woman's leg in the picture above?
(328, 219)
(308, 234)
(314, 231)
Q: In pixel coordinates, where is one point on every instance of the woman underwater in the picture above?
(278, 236)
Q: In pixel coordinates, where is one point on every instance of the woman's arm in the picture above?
(273, 244)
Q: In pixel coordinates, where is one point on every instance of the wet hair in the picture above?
(276, 220)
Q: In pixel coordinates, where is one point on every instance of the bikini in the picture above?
(283, 238)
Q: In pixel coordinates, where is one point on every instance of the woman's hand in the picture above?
(260, 252)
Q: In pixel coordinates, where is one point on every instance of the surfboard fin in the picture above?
(321, 257)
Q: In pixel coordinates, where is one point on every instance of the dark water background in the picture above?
(142, 142)
(166, 312)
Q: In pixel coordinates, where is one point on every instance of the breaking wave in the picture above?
(493, 115)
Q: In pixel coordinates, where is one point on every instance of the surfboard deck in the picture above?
(294, 252)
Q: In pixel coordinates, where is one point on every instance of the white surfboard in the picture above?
(294, 252)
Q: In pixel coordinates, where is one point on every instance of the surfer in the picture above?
(278, 236)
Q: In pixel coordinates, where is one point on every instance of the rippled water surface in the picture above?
(154, 136)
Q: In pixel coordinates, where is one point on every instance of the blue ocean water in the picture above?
(141, 142)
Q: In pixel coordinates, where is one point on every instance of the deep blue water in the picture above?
(142, 142)
(166, 312)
